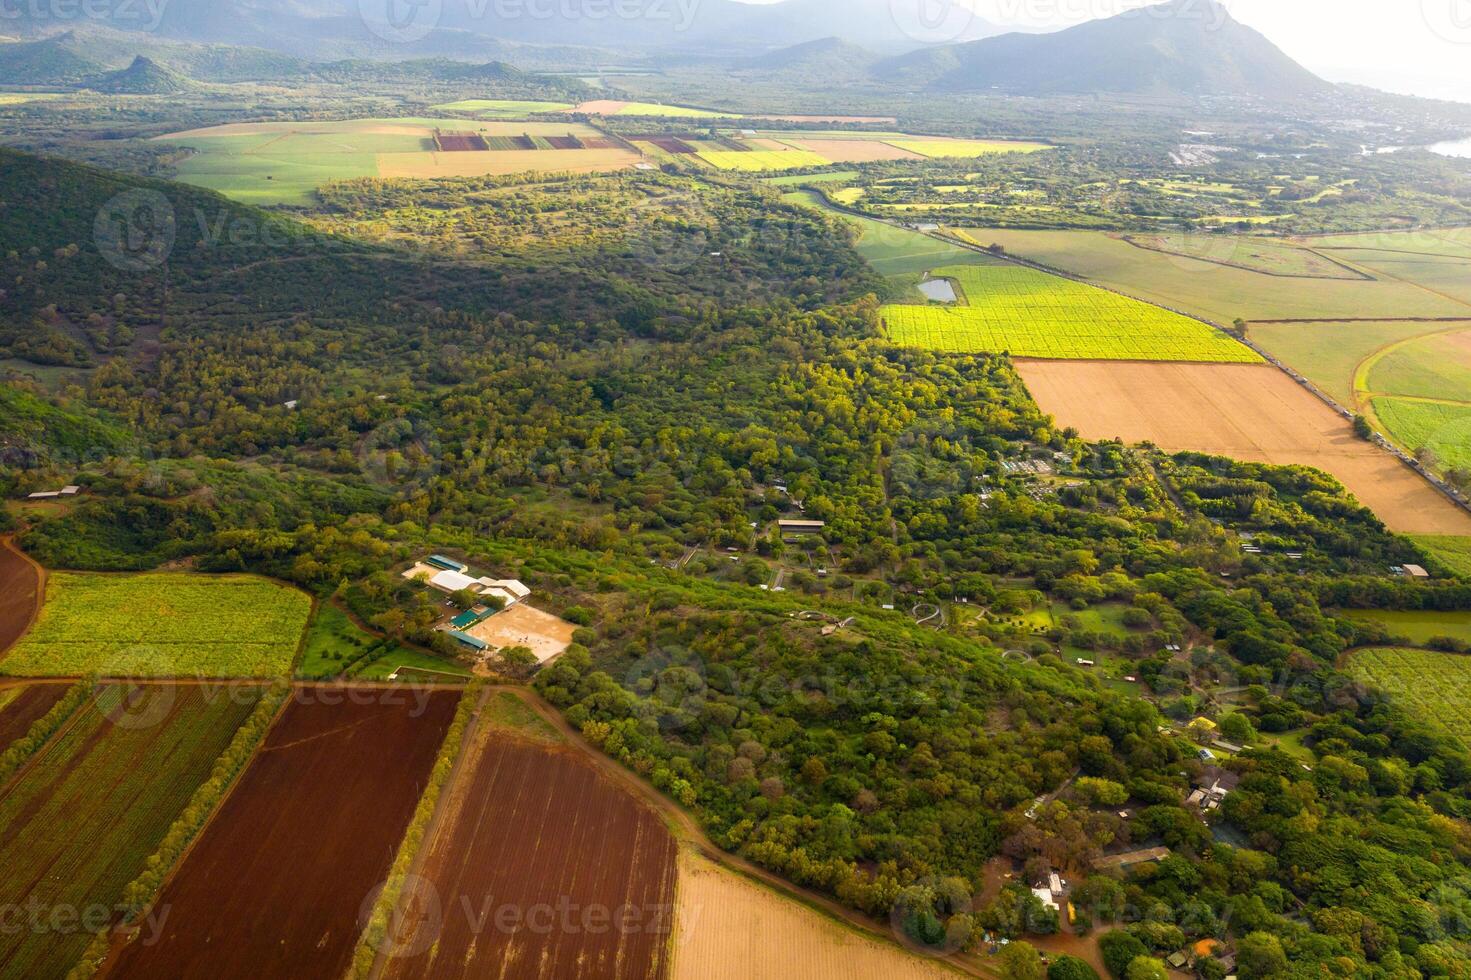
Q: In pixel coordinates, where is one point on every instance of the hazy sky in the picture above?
(1422, 47)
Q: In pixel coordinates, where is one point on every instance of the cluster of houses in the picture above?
(453, 578)
(1211, 789)
(1409, 571)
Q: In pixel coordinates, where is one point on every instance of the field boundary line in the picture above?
(1358, 274)
(71, 720)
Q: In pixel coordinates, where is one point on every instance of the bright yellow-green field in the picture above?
(756, 161)
(673, 111)
(502, 108)
(1435, 687)
(20, 98)
(1452, 552)
(1009, 308)
(966, 148)
(162, 625)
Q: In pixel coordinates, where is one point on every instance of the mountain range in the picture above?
(1180, 48)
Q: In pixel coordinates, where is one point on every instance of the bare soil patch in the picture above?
(542, 870)
(1253, 413)
(546, 635)
(278, 883)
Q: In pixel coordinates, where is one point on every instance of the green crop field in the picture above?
(1032, 314)
(1216, 292)
(1452, 552)
(95, 805)
(1257, 254)
(1433, 687)
(1436, 366)
(162, 624)
(1418, 626)
(758, 161)
(21, 98)
(501, 108)
(1444, 429)
(965, 148)
(1330, 353)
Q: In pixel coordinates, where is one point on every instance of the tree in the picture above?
(518, 661)
(1146, 968)
(1362, 428)
(1237, 727)
(1021, 961)
(1260, 955)
(1071, 968)
(1120, 949)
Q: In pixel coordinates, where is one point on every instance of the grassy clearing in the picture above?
(410, 665)
(1434, 687)
(21, 98)
(502, 108)
(162, 625)
(1452, 552)
(759, 161)
(965, 148)
(1444, 430)
(1031, 314)
(81, 824)
(506, 711)
(334, 644)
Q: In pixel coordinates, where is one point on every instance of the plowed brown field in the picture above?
(23, 707)
(541, 869)
(278, 883)
(20, 594)
(1249, 412)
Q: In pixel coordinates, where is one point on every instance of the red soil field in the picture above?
(279, 883)
(28, 707)
(671, 144)
(523, 142)
(20, 594)
(461, 143)
(541, 869)
(599, 143)
(565, 142)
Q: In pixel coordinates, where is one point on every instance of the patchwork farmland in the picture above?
(162, 625)
(539, 830)
(82, 819)
(1008, 308)
(331, 790)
